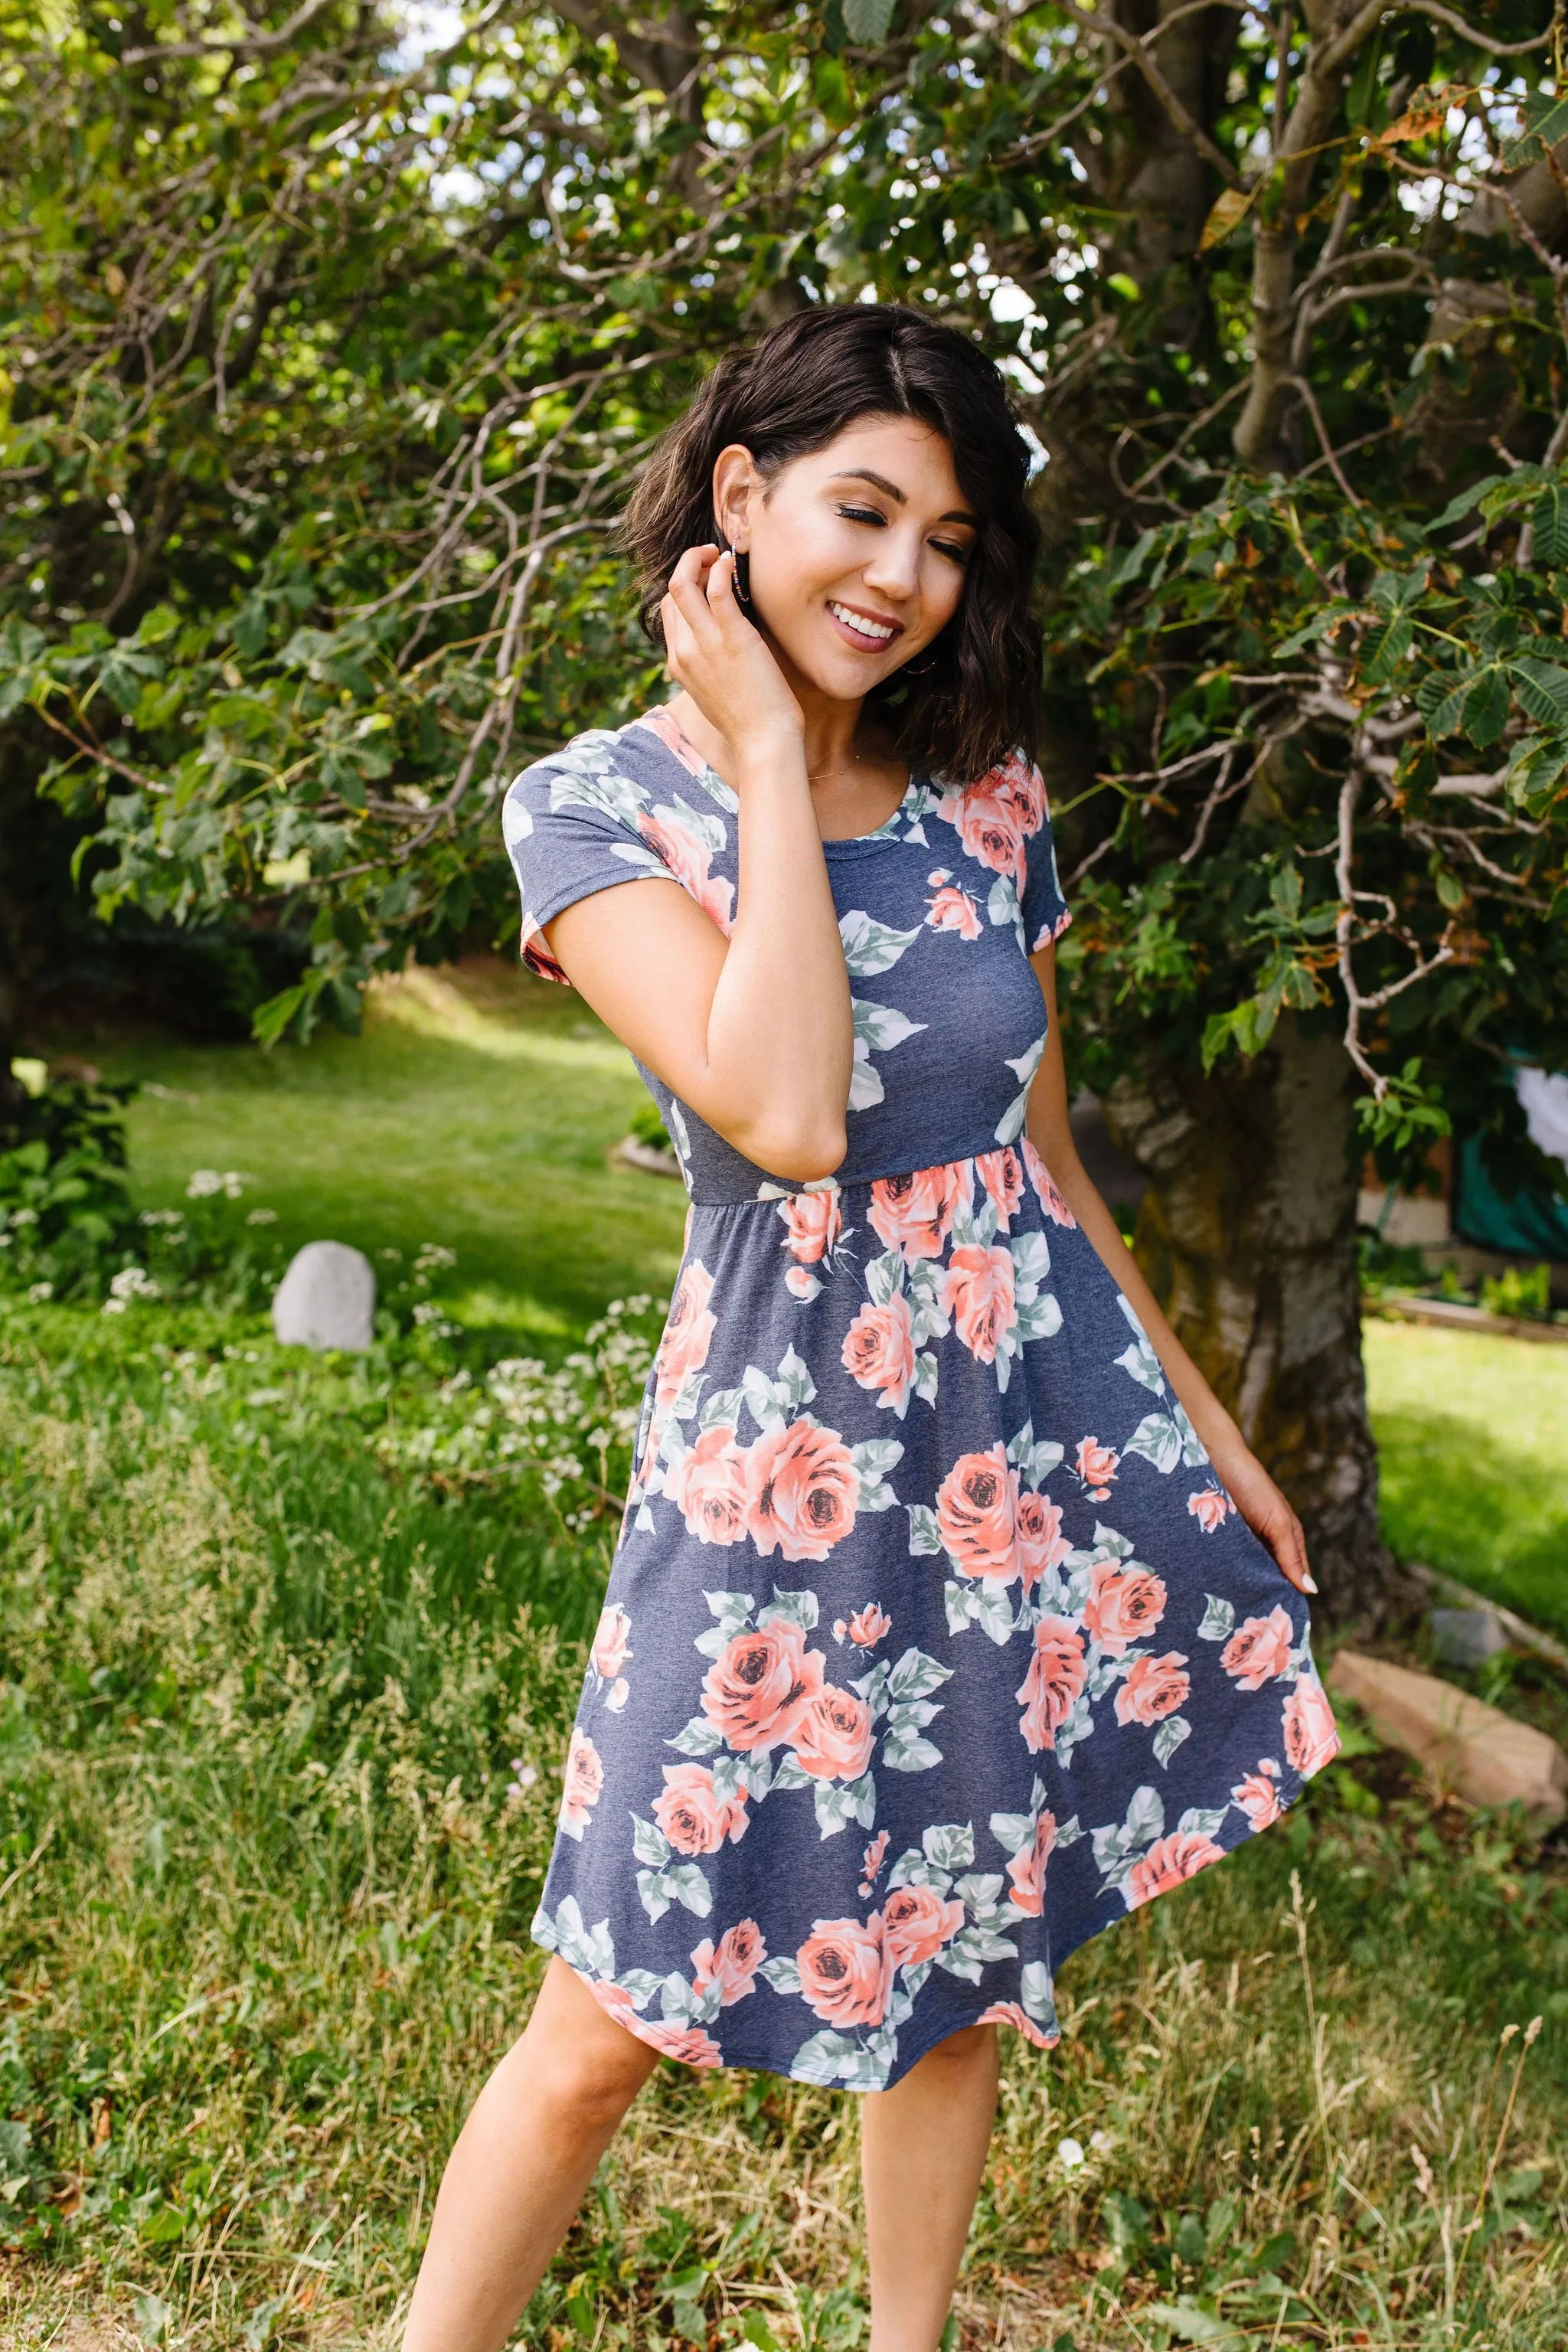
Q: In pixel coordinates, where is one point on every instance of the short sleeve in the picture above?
(1046, 912)
(573, 824)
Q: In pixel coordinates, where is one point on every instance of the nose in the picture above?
(894, 566)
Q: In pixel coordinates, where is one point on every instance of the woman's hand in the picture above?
(1266, 1511)
(713, 652)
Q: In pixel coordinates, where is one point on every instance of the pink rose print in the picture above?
(917, 1923)
(978, 1294)
(845, 1972)
(1020, 782)
(1168, 1861)
(1258, 1797)
(1097, 1465)
(688, 1333)
(1045, 1192)
(1259, 1651)
(708, 1485)
(693, 2045)
(975, 1507)
(1002, 1175)
(951, 909)
(612, 1642)
(865, 1629)
(803, 1491)
(815, 1221)
(1041, 1543)
(1311, 1736)
(801, 1283)
(687, 858)
(1008, 2013)
(535, 952)
(663, 725)
(1028, 1868)
(1210, 1506)
(879, 1350)
(692, 1814)
(731, 1964)
(1154, 1688)
(584, 1778)
(616, 2002)
(1051, 1687)
(990, 825)
(1122, 1608)
(833, 1737)
(756, 1689)
(914, 1213)
(871, 1861)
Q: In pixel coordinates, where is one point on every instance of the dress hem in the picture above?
(996, 2011)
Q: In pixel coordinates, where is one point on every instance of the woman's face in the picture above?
(857, 553)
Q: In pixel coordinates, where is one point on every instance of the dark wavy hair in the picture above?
(792, 393)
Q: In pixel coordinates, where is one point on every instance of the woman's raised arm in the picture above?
(755, 1033)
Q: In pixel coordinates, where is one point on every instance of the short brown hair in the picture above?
(795, 390)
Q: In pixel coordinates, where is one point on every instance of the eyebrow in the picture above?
(891, 490)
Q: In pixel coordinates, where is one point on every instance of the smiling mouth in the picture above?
(870, 632)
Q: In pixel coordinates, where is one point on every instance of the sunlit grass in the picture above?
(1472, 1434)
(477, 1110)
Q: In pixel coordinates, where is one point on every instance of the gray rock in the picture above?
(1466, 1637)
(326, 1299)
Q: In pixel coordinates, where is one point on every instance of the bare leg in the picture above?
(521, 2166)
(922, 2153)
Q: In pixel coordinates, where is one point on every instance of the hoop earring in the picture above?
(742, 580)
(923, 669)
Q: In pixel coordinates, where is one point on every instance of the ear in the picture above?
(737, 485)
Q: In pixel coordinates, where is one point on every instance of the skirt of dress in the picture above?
(931, 1646)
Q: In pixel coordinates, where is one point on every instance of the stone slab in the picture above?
(326, 1299)
(1466, 1637)
(1475, 1749)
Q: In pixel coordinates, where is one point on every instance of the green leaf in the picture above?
(1487, 706)
(1549, 525)
(1468, 500)
(1190, 2325)
(1541, 689)
(867, 21)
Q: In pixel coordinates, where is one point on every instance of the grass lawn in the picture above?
(476, 1111)
(1473, 1437)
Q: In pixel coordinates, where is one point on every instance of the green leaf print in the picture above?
(869, 946)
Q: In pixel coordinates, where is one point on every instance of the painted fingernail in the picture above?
(1308, 1584)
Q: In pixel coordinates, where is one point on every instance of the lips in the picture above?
(870, 630)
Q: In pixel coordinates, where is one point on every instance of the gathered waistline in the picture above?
(772, 1192)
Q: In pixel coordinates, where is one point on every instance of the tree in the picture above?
(348, 353)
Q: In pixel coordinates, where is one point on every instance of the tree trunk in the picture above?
(1248, 1236)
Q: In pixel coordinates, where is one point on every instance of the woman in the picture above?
(952, 1617)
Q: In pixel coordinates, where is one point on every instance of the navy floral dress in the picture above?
(933, 1643)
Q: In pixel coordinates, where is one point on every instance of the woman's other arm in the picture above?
(1254, 1492)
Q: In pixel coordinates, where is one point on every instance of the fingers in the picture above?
(1291, 1551)
(721, 585)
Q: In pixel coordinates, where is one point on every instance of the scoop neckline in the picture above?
(883, 831)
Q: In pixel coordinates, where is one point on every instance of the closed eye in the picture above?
(959, 555)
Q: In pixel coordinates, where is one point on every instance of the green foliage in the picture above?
(1520, 1291)
(69, 1228)
(328, 376)
(66, 1218)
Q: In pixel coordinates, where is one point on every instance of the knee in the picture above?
(590, 2081)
